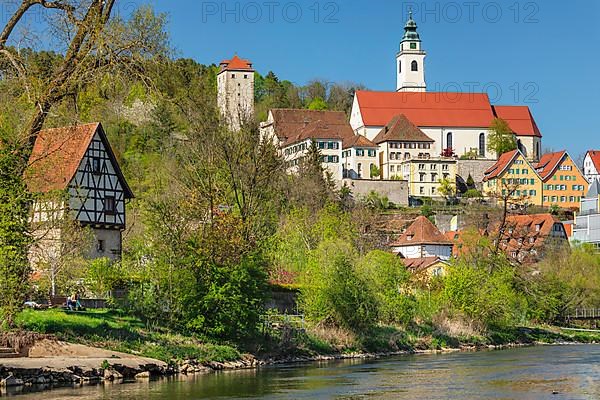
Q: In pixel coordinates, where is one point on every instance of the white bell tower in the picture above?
(410, 61)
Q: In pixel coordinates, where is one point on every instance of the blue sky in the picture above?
(544, 54)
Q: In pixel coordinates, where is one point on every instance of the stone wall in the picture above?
(475, 168)
(395, 190)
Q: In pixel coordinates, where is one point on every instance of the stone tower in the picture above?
(410, 60)
(235, 91)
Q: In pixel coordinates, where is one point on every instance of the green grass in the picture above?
(118, 331)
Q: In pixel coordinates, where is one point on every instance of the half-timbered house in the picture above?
(75, 175)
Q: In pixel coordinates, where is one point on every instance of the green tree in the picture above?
(333, 293)
(375, 172)
(501, 139)
(14, 233)
(447, 188)
(387, 279)
(317, 104)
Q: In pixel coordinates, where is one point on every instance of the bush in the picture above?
(486, 296)
(473, 194)
(333, 293)
(387, 279)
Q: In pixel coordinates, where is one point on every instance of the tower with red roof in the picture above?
(235, 91)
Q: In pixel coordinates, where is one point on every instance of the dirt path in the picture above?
(57, 355)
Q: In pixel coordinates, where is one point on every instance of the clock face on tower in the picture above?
(413, 45)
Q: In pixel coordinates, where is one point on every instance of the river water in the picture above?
(544, 372)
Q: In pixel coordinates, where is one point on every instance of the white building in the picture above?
(423, 240)
(457, 122)
(344, 153)
(76, 174)
(586, 228)
(591, 165)
(359, 158)
(235, 91)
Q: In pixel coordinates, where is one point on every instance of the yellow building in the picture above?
(513, 177)
(424, 175)
(563, 182)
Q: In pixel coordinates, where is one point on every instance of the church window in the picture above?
(414, 66)
(399, 66)
(449, 140)
(413, 45)
(481, 145)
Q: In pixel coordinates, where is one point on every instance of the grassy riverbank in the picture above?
(112, 329)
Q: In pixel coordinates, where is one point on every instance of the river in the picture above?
(544, 372)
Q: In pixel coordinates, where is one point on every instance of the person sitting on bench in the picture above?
(73, 302)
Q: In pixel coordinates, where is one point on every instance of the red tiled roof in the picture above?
(595, 157)
(421, 231)
(56, 154)
(519, 119)
(358, 141)
(524, 233)
(416, 265)
(503, 162)
(548, 164)
(235, 64)
(426, 109)
(400, 128)
(293, 125)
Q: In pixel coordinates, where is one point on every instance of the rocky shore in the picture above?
(15, 375)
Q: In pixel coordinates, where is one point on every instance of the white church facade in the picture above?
(457, 122)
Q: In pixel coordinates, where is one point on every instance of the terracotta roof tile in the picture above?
(293, 125)
(416, 265)
(358, 141)
(426, 109)
(595, 157)
(549, 163)
(503, 162)
(235, 64)
(56, 154)
(421, 231)
(401, 129)
(519, 119)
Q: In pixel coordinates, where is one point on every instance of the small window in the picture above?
(410, 237)
(413, 45)
(399, 66)
(245, 76)
(233, 76)
(100, 246)
(109, 205)
(414, 66)
(96, 165)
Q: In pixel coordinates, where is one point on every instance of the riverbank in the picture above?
(79, 348)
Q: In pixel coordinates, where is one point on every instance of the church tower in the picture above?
(235, 91)
(410, 61)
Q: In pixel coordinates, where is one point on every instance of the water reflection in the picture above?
(530, 373)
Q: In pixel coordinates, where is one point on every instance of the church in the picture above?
(458, 123)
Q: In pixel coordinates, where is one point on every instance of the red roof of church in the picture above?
(595, 157)
(519, 119)
(503, 162)
(426, 109)
(235, 64)
(548, 164)
(421, 231)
